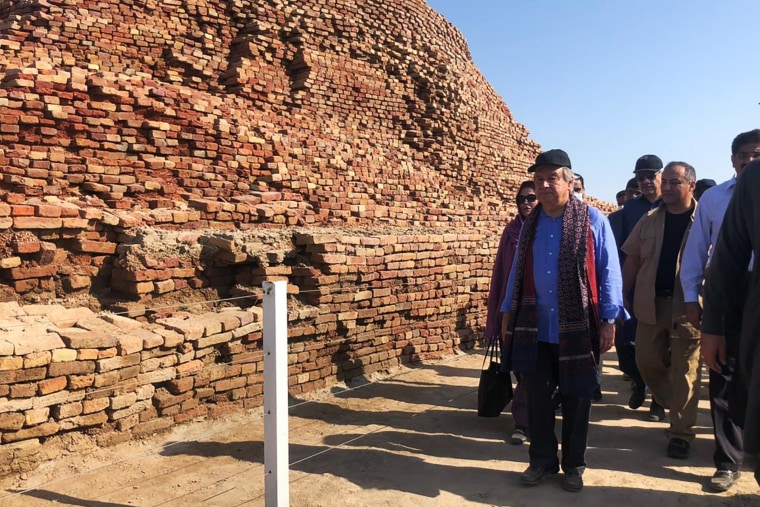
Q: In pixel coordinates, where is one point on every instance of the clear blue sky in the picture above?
(610, 80)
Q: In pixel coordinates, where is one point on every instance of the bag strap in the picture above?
(492, 352)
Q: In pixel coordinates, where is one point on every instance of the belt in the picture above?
(664, 294)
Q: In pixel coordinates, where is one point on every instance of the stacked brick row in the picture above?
(51, 248)
(118, 376)
(353, 113)
(387, 300)
(172, 265)
(366, 304)
(414, 265)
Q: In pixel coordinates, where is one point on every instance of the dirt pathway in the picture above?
(409, 440)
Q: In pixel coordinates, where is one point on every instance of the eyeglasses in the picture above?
(530, 198)
(744, 155)
(646, 175)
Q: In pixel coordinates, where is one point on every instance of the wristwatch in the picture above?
(609, 321)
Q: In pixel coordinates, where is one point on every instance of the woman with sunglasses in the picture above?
(526, 201)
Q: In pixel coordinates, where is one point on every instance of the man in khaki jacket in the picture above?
(667, 345)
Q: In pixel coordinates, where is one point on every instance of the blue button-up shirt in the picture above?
(546, 270)
(703, 236)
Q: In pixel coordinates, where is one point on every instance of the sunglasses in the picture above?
(530, 198)
(646, 175)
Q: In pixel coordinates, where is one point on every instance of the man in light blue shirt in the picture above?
(719, 346)
(560, 307)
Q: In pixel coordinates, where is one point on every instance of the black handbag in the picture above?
(495, 387)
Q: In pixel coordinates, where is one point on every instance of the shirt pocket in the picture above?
(648, 245)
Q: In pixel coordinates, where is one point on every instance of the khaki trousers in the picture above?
(667, 355)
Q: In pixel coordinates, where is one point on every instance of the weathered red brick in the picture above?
(52, 385)
(22, 273)
(32, 222)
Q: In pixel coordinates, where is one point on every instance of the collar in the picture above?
(664, 207)
(731, 183)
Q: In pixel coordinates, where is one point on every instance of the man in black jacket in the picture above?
(739, 239)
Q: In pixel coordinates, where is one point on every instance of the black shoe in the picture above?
(656, 412)
(678, 448)
(519, 437)
(637, 398)
(535, 474)
(722, 480)
(573, 480)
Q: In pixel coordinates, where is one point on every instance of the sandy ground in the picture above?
(411, 439)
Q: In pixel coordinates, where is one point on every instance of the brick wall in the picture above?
(243, 115)
(355, 115)
(365, 304)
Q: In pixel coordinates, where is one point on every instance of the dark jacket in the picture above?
(631, 213)
(739, 238)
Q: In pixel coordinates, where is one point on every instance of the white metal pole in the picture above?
(276, 484)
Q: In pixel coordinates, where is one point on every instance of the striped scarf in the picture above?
(577, 295)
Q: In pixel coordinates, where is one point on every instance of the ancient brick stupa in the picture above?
(161, 158)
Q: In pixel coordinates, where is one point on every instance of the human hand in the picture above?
(713, 349)
(606, 337)
(504, 327)
(693, 314)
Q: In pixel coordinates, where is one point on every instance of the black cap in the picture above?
(648, 163)
(632, 184)
(703, 185)
(552, 157)
(706, 182)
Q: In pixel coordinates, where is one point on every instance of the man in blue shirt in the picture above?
(561, 302)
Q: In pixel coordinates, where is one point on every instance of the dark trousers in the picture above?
(625, 345)
(520, 406)
(728, 401)
(539, 387)
(729, 448)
